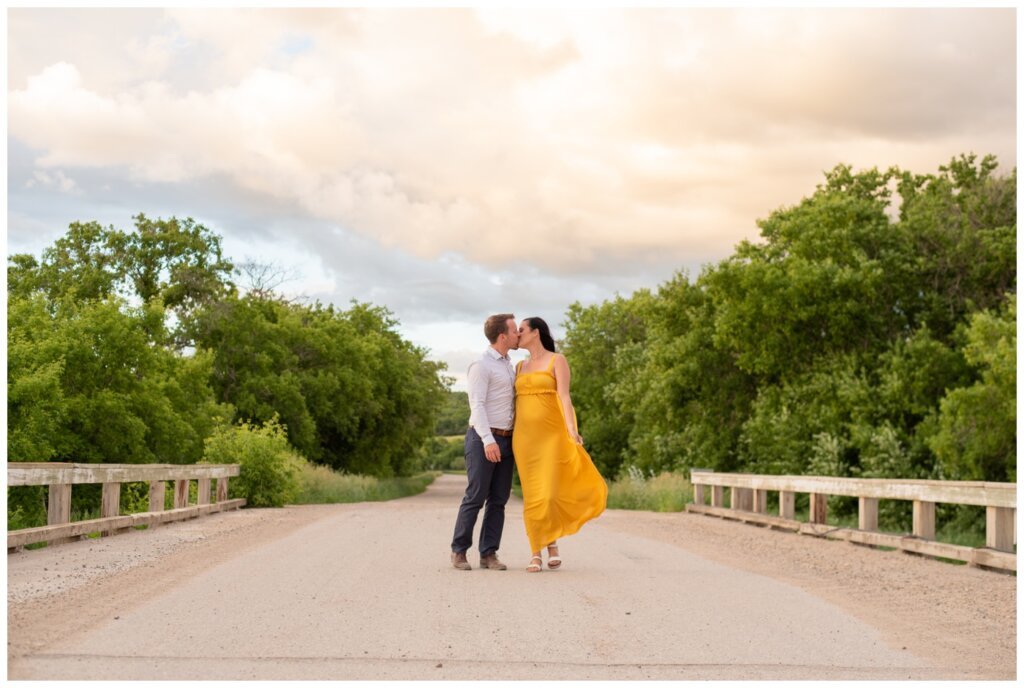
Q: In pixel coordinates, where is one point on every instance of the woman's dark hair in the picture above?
(546, 340)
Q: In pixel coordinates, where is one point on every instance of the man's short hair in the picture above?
(497, 325)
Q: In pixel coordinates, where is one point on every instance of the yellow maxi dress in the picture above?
(562, 489)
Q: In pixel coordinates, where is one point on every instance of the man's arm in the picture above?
(478, 383)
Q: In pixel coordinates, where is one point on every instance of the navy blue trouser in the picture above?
(489, 483)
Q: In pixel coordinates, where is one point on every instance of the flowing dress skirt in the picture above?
(562, 488)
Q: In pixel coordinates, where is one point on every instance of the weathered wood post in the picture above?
(924, 519)
(717, 495)
(58, 510)
(157, 491)
(698, 494)
(787, 504)
(204, 491)
(819, 508)
(111, 504)
(222, 489)
(180, 494)
(761, 501)
(999, 528)
(867, 513)
(741, 498)
(698, 490)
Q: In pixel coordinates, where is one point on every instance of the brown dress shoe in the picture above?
(491, 562)
(460, 562)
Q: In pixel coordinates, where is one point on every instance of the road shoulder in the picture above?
(959, 617)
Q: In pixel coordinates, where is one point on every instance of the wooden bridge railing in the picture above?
(748, 502)
(61, 476)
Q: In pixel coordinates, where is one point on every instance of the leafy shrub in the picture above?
(269, 466)
(26, 506)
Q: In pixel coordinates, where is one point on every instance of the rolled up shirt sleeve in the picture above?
(477, 382)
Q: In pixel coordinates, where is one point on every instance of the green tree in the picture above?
(85, 262)
(89, 377)
(407, 391)
(352, 393)
(595, 336)
(85, 384)
(453, 416)
(826, 346)
(36, 408)
(689, 396)
(961, 227)
(178, 263)
(977, 428)
(829, 279)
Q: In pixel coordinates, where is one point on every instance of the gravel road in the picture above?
(365, 591)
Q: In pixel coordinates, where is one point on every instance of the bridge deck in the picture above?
(364, 591)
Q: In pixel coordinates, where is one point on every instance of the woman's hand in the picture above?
(576, 437)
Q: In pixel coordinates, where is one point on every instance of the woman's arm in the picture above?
(562, 385)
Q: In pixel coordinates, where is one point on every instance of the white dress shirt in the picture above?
(492, 391)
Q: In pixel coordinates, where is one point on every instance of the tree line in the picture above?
(871, 331)
(136, 346)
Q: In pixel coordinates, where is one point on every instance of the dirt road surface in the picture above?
(365, 591)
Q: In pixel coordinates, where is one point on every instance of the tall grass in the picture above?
(664, 492)
(321, 485)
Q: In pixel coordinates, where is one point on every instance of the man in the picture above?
(489, 457)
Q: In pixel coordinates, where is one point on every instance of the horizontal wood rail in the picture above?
(59, 477)
(79, 473)
(748, 503)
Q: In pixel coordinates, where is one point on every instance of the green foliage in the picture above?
(129, 347)
(960, 226)
(977, 436)
(692, 397)
(269, 466)
(36, 409)
(26, 507)
(87, 384)
(870, 332)
(839, 344)
(445, 454)
(453, 417)
(353, 394)
(176, 263)
(91, 378)
(600, 339)
(820, 284)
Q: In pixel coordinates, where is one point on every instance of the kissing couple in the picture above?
(524, 415)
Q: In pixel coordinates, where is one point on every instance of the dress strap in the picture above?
(519, 366)
(551, 363)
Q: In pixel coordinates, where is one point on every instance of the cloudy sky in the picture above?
(452, 163)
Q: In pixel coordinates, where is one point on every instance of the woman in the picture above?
(562, 489)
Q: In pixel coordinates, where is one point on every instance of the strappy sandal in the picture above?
(554, 561)
(535, 568)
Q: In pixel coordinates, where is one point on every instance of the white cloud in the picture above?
(449, 163)
(57, 180)
(579, 137)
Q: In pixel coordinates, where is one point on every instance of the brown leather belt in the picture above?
(501, 433)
